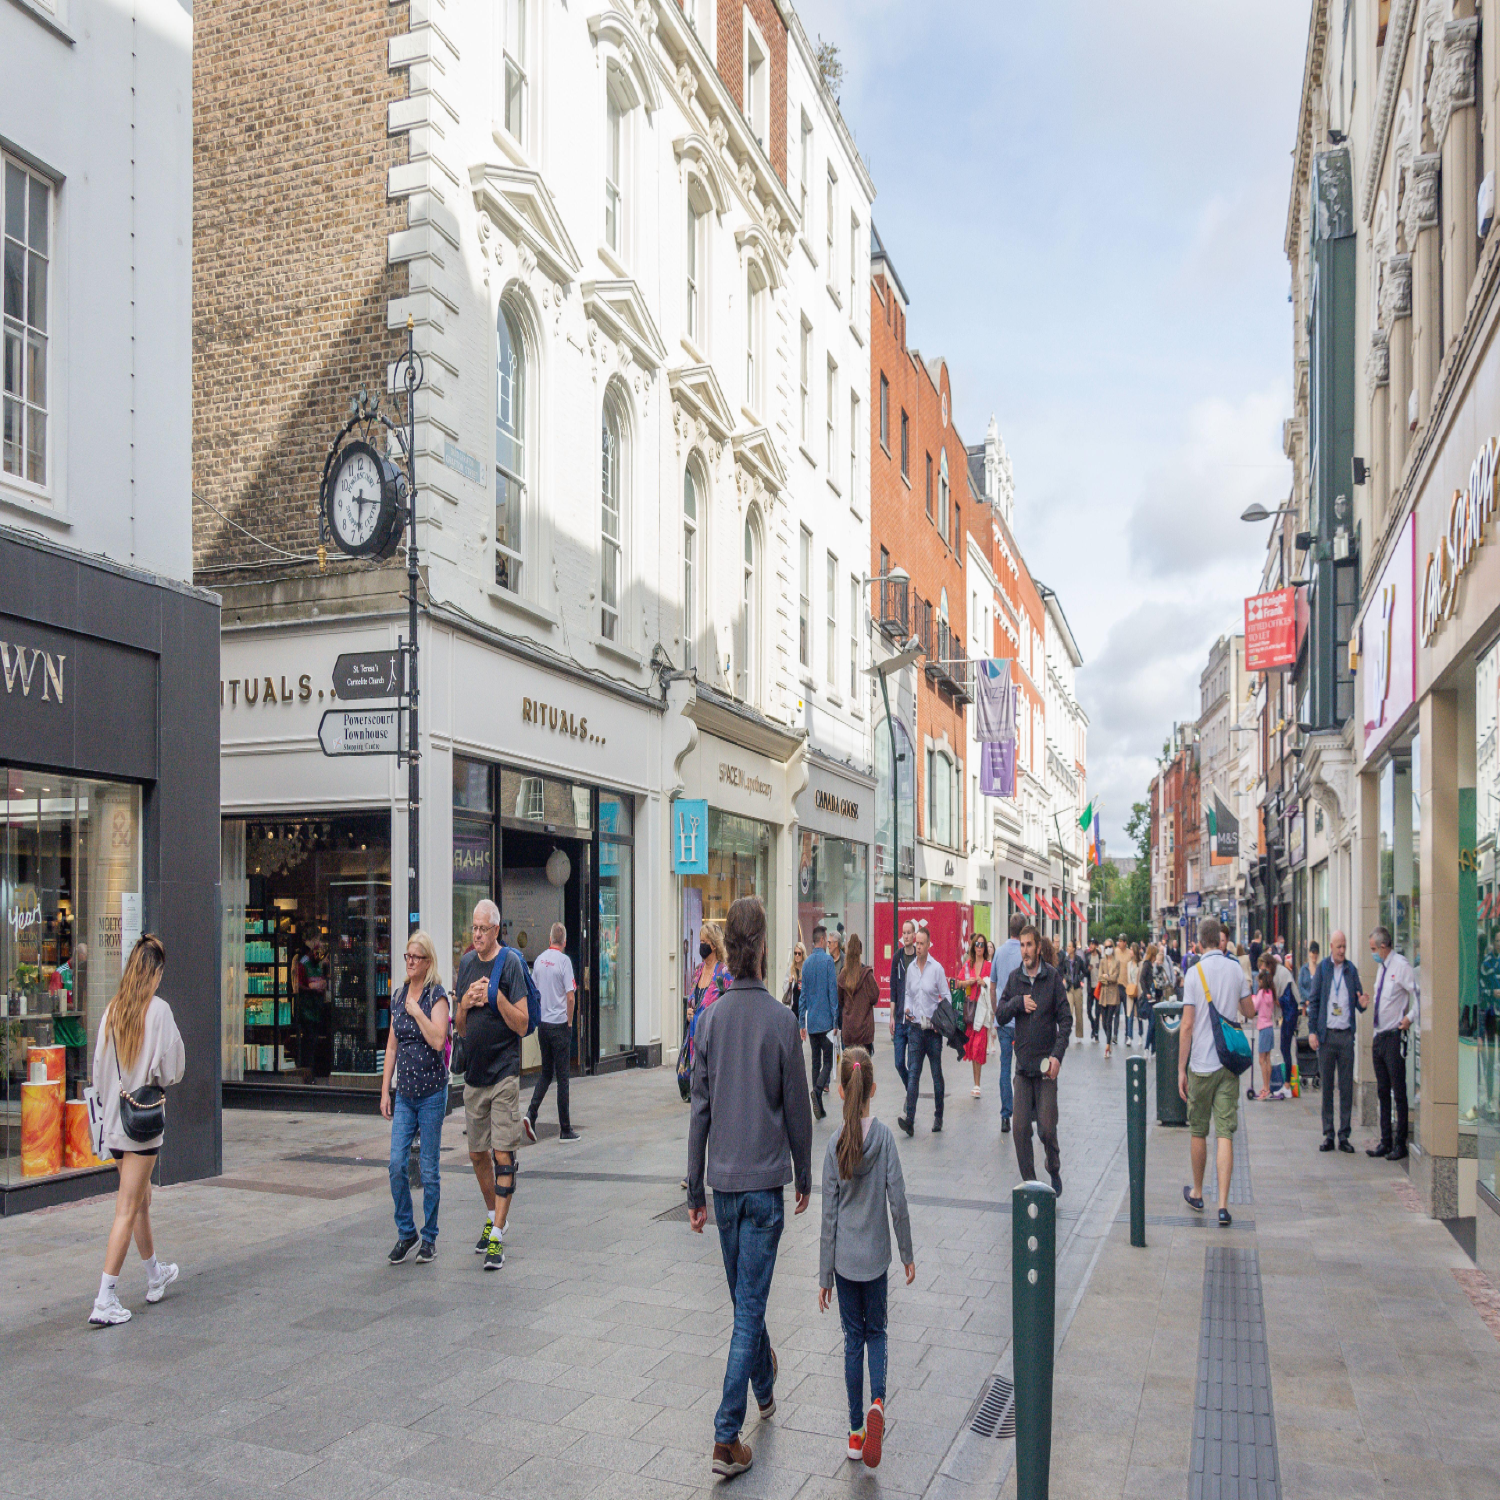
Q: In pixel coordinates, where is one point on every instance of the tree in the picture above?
(1124, 899)
(1138, 827)
(830, 67)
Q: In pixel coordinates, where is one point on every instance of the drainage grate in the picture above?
(996, 1416)
(677, 1215)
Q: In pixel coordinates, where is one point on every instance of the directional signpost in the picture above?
(360, 731)
(370, 674)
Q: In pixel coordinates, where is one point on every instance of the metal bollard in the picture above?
(1135, 1142)
(1033, 1296)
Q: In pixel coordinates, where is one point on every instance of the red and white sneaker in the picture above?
(874, 1431)
(856, 1446)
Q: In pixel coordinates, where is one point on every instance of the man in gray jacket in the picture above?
(750, 1135)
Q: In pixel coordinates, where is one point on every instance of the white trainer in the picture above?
(156, 1286)
(108, 1310)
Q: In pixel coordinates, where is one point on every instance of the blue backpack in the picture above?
(533, 995)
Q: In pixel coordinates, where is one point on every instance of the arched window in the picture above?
(939, 797)
(510, 448)
(689, 569)
(614, 469)
(944, 507)
(614, 171)
(755, 289)
(748, 645)
(696, 260)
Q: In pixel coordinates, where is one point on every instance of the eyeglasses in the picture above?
(416, 958)
(484, 927)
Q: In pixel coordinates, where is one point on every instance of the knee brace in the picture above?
(507, 1171)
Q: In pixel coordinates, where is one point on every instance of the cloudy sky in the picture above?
(1086, 204)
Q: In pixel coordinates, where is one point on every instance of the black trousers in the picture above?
(1336, 1061)
(1093, 1015)
(1109, 1019)
(1390, 1078)
(1036, 1099)
(557, 1044)
(822, 1060)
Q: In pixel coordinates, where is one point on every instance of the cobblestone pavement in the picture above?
(290, 1360)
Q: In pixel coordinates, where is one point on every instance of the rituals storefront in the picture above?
(109, 756)
(533, 784)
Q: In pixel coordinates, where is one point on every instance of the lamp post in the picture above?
(883, 670)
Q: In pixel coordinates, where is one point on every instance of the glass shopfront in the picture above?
(307, 960)
(546, 849)
(1479, 967)
(1400, 795)
(741, 862)
(833, 887)
(70, 885)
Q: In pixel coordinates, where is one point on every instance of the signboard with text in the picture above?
(360, 731)
(1388, 641)
(370, 674)
(1271, 631)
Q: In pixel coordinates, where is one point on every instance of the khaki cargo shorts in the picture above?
(492, 1116)
(1214, 1094)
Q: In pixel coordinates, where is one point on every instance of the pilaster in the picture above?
(1453, 110)
(1395, 312)
(1421, 214)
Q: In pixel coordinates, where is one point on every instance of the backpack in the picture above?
(533, 995)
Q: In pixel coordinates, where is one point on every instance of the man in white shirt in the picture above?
(1209, 1089)
(1397, 1005)
(926, 988)
(553, 973)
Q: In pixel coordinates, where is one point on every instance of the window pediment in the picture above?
(517, 199)
(620, 310)
(700, 153)
(618, 35)
(754, 241)
(755, 451)
(697, 390)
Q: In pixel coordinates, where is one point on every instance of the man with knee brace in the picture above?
(492, 1032)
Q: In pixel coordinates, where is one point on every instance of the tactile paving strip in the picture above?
(1240, 1189)
(1234, 1427)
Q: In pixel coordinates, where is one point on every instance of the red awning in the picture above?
(1021, 901)
(1047, 906)
(1076, 912)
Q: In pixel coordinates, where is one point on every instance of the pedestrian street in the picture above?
(290, 1359)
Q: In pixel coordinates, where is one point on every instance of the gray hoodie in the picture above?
(856, 1235)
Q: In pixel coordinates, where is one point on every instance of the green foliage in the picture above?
(1125, 900)
(830, 66)
(1138, 827)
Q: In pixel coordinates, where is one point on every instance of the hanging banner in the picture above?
(1224, 834)
(1271, 631)
(690, 836)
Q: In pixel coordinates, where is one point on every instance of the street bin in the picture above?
(1170, 1106)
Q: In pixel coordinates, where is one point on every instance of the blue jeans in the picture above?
(750, 1226)
(862, 1309)
(410, 1117)
(1129, 1020)
(898, 1043)
(923, 1043)
(1007, 1047)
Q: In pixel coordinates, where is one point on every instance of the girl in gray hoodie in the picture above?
(861, 1176)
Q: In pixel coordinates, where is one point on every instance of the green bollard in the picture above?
(1135, 1140)
(1033, 1296)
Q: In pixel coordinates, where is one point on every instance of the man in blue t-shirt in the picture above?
(818, 1013)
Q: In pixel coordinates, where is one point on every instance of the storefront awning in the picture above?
(1076, 912)
(1047, 906)
(1021, 901)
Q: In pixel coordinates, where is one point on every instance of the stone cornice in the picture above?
(1312, 79)
(1397, 39)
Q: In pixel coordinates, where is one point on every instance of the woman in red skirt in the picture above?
(980, 1009)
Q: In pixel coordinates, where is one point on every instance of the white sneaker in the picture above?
(108, 1310)
(156, 1286)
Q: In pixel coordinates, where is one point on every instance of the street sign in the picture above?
(360, 731)
(370, 674)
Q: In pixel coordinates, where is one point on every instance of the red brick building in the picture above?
(920, 509)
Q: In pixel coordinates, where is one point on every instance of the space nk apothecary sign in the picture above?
(1460, 535)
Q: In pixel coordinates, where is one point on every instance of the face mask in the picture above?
(704, 950)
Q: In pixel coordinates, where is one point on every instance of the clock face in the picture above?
(358, 495)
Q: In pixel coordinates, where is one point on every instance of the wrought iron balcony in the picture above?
(891, 607)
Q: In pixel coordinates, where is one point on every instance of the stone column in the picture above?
(1435, 1169)
(1427, 278)
(1455, 125)
(1367, 880)
(1395, 313)
(1378, 380)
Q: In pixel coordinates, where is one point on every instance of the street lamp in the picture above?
(1258, 512)
(883, 670)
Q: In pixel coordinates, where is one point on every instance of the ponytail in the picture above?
(857, 1079)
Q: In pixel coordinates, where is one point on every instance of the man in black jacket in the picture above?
(1036, 1000)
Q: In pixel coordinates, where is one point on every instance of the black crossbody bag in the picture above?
(143, 1114)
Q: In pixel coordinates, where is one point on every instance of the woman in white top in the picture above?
(138, 1045)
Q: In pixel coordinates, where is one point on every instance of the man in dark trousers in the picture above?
(1337, 996)
(1036, 999)
(750, 1135)
(904, 956)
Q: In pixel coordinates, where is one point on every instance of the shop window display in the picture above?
(316, 943)
(740, 852)
(1479, 893)
(1400, 890)
(70, 866)
(833, 885)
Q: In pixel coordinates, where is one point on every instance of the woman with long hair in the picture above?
(980, 1009)
(792, 995)
(1132, 992)
(713, 976)
(138, 1047)
(416, 1058)
(859, 990)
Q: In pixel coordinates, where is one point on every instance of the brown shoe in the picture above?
(731, 1459)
